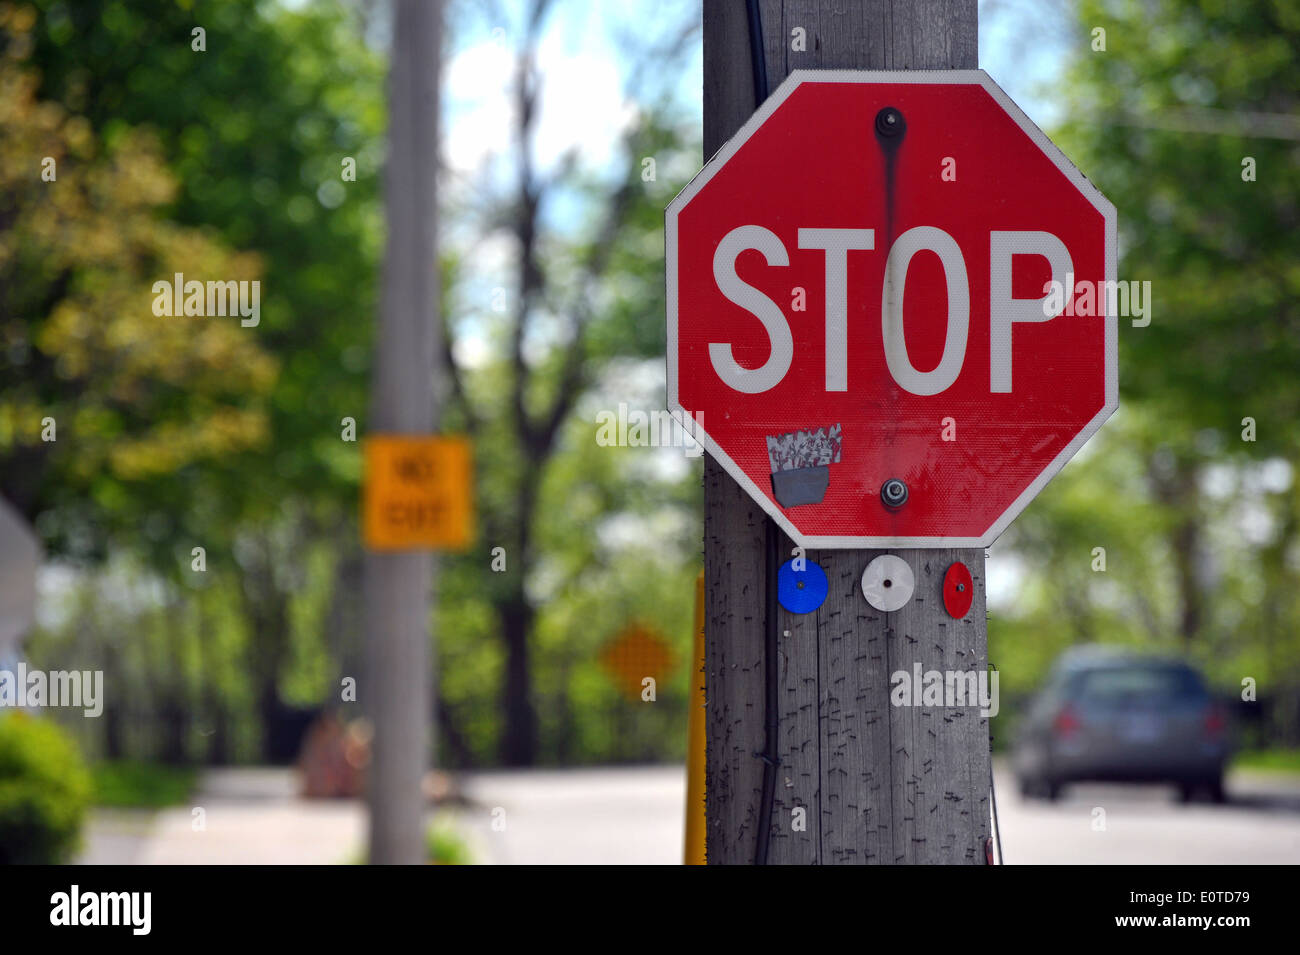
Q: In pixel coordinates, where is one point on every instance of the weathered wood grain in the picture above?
(880, 784)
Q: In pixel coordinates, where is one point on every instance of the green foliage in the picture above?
(248, 140)
(131, 394)
(44, 791)
(595, 538)
(1270, 760)
(253, 133)
(1161, 122)
(131, 784)
(445, 845)
(186, 696)
(1201, 525)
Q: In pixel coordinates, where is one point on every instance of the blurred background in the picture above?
(567, 127)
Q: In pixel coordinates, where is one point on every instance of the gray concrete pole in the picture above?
(398, 691)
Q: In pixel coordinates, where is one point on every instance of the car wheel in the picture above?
(1210, 790)
(1051, 790)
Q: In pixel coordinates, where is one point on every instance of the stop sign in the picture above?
(861, 310)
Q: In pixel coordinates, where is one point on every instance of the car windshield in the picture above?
(1145, 686)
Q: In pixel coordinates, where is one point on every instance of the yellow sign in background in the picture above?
(636, 653)
(417, 493)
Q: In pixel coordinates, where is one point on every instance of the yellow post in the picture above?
(695, 741)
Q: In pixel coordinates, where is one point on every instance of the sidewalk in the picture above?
(634, 814)
(248, 816)
(254, 816)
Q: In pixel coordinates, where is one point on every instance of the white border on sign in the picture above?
(1080, 182)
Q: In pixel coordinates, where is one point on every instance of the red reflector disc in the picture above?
(958, 590)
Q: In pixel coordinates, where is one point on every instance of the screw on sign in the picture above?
(877, 250)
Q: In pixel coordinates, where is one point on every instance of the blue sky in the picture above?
(586, 70)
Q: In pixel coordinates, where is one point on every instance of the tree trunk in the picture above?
(1176, 487)
(266, 611)
(217, 726)
(519, 736)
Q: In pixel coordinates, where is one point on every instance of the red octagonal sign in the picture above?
(891, 308)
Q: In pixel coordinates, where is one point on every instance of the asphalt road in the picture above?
(634, 815)
(1121, 825)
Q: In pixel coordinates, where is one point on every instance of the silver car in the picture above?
(1116, 715)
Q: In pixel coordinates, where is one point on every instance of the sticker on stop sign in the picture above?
(877, 250)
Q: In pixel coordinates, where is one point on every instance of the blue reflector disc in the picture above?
(801, 591)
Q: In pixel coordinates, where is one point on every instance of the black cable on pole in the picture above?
(772, 559)
(757, 58)
(772, 722)
(993, 794)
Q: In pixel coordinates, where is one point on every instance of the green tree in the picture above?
(1186, 121)
(101, 395)
(274, 134)
(578, 299)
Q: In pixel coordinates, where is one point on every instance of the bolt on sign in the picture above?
(417, 493)
(636, 653)
(892, 301)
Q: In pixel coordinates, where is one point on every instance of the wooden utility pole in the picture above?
(877, 783)
(398, 692)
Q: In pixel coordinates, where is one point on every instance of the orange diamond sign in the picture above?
(636, 653)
